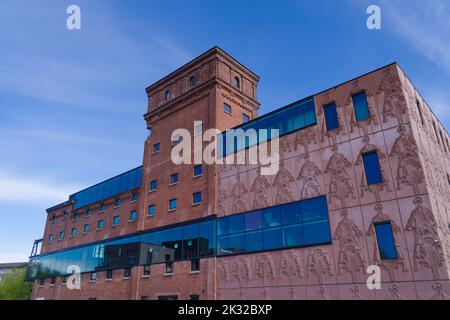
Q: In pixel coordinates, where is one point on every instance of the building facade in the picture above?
(363, 180)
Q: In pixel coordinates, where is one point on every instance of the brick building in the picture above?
(363, 179)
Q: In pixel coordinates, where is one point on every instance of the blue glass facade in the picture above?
(291, 118)
(126, 181)
(295, 224)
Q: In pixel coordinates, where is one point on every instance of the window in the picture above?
(172, 204)
(192, 81)
(174, 178)
(169, 268)
(236, 83)
(245, 118)
(194, 297)
(65, 278)
(65, 215)
(196, 197)
(61, 235)
(227, 108)
(385, 241)
(109, 274)
(360, 106)
(151, 210)
(41, 282)
(135, 196)
(198, 128)
(53, 281)
(102, 207)
(100, 224)
(73, 232)
(372, 168)
(88, 212)
(50, 236)
(167, 95)
(127, 273)
(156, 147)
(420, 112)
(93, 276)
(153, 185)
(147, 270)
(195, 265)
(198, 170)
(331, 117)
(116, 220)
(86, 228)
(133, 215)
(75, 216)
(118, 202)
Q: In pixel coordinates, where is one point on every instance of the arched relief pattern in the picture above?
(428, 252)
(291, 265)
(350, 250)
(439, 293)
(305, 138)
(308, 178)
(239, 194)
(393, 267)
(319, 267)
(283, 184)
(328, 98)
(394, 289)
(240, 269)
(340, 186)
(367, 147)
(264, 267)
(394, 103)
(409, 170)
(261, 191)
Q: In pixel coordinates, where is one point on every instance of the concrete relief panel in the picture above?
(310, 182)
(391, 270)
(433, 290)
(319, 266)
(396, 291)
(329, 292)
(340, 179)
(355, 292)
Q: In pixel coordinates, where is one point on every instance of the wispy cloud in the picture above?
(32, 190)
(424, 24)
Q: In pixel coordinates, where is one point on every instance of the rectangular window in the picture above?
(102, 207)
(194, 297)
(227, 108)
(133, 215)
(195, 265)
(61, 235)
(53, 281)
(127, 273)
(93, 276)
(198, 170)
(117, 203)
(147, 270)
(151, 210)
(135, 196)
(109, 274)
(172, 204)
(41, 282)
(65, 278)
(86, 228)
(245, 118)
(153, 185)
(331, 117)
(360, 106)
(116, 220)
(385, 241)
(372, 168)
(169, 268)
(156, 148)
(196, 197)
(50, 236)
(100, 224)
(73, 233)
(174, 178)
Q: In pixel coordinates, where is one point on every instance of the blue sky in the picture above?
(71, 102)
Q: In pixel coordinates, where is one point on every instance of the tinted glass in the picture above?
(385, 241)
(198, 170)
(372, 168)
(361, 107)
(151, 210)
(197, 197)
(331, 117)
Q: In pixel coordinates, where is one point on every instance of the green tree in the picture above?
(14, 287)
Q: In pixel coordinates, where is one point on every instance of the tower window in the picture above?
(100, 224)
(198, 169)
(385, 241)
(133, 215)
(331, 117)
(192, 81)
(153, 185)
(196, 197)
(236, 83)
(372, 168)
(167, 95)
(174, 178)
(245, 118)
(156, 147)
(360, 106)
(86, 228)
(172, 204)
(116, 220)
(73, 232)
(151, 210)
(227, 108)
